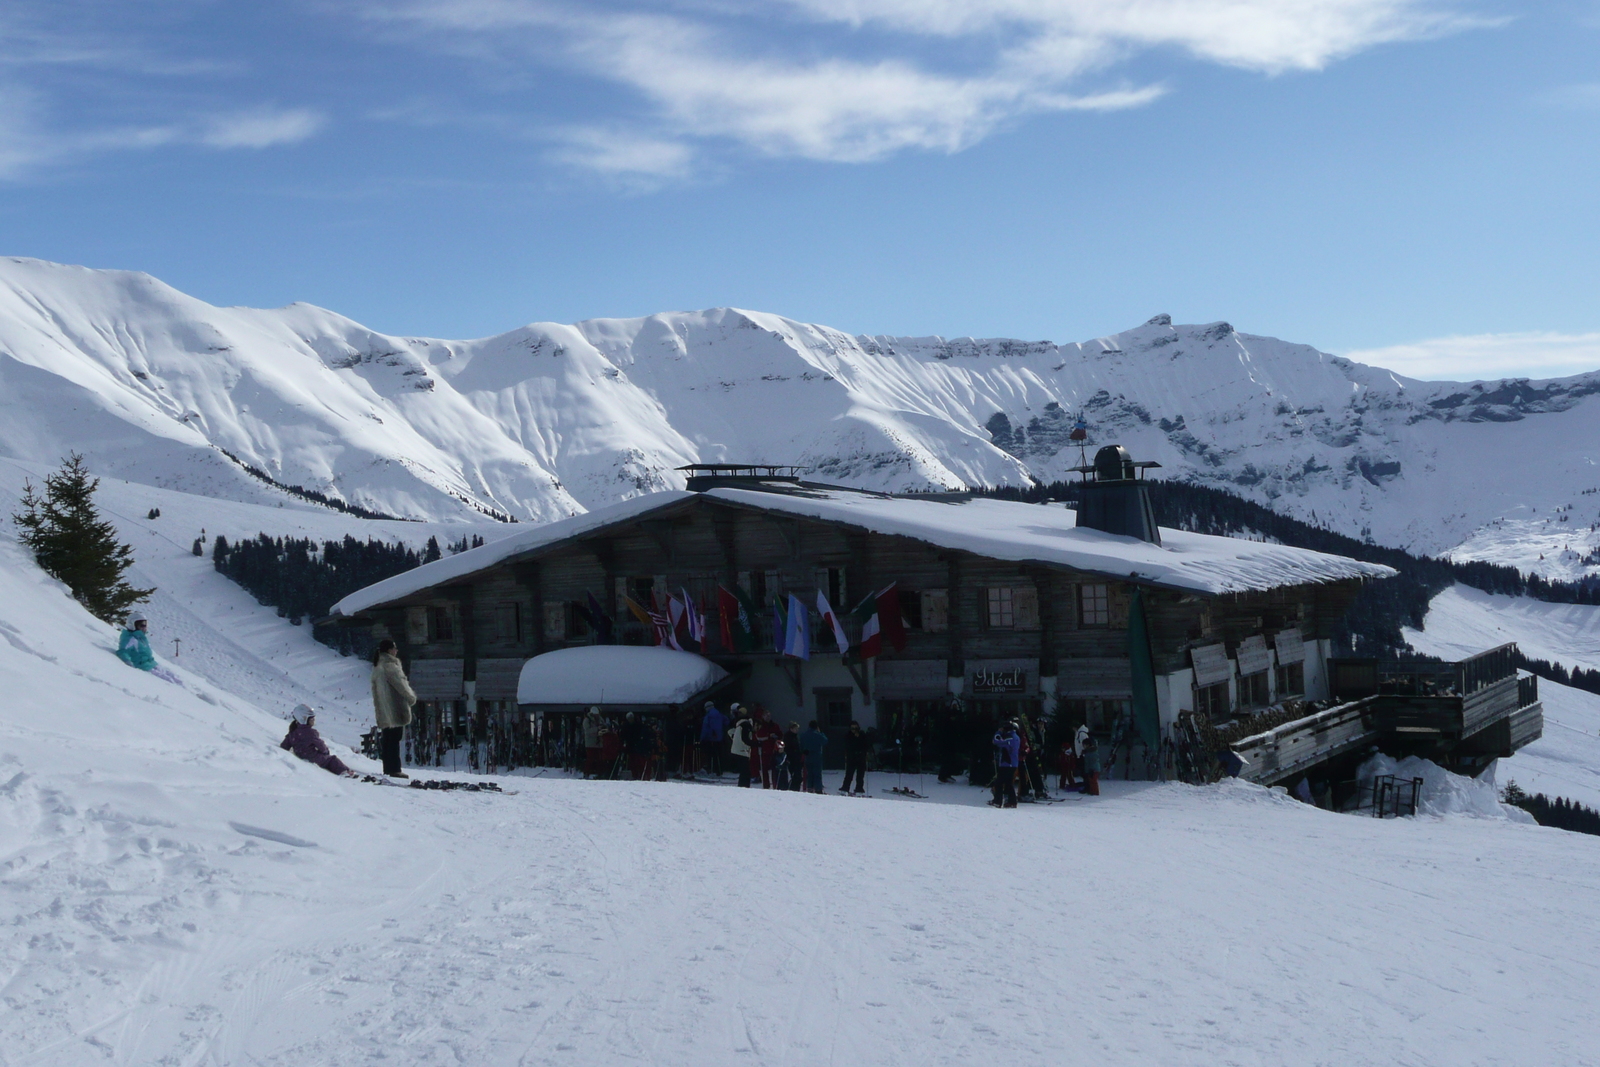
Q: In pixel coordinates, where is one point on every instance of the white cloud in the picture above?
(1489, 355)
(1266, 35)
(732, 70)
(261, 128)
(28, 142)
(630, 158)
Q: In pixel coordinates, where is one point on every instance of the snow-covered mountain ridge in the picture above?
(549, 419)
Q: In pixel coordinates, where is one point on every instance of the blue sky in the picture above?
(1410, 181)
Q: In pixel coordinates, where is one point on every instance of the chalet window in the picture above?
(1291, 680)
(835, 589)
(910, 609)
(1211, 700)
(441, 625)
(1094, 604)
(935, 610)
(1002, 608)
(1253, 690)
(641, 589)
(508, 623)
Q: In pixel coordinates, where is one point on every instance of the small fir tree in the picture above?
(74, 544)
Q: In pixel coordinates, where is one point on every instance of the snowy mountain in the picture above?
(547, 420)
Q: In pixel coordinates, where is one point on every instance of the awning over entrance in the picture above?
(616, 674)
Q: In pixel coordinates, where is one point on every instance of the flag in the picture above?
(697, 621)
(797, 635)
(662, 625)
(636, 610)
(880, 622)
(829, 619)
(681, 618)
(600, 620)
(780, 624)
(738, 621)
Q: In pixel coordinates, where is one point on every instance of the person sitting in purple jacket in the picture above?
(304, 741)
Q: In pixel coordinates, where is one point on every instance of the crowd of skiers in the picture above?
(1017, 768)
(746, 742)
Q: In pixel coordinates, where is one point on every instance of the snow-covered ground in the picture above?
(1563, 545)
(1462, 621)
(207, 624)
(181, 891)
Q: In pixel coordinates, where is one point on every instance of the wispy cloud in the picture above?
(730, 71)
(1490, 355)
(261, 127)
(28, 142)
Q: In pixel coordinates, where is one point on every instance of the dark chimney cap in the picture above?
(1113, 464)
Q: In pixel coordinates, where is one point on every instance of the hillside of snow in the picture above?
(548, 420)
(182, 891)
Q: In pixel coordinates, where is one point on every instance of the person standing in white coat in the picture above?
(392, 697)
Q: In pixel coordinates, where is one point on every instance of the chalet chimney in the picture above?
(1115, 498)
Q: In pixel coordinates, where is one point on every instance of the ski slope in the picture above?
(182, 891)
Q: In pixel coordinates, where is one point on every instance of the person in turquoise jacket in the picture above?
(134, 648)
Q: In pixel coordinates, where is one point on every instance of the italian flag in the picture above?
(881, 622)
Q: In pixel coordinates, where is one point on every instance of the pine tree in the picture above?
(431, 551)
(74, 544)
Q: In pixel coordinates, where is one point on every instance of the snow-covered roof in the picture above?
(616, 674)
(474, 560)
(997, 529)
(1005, 529)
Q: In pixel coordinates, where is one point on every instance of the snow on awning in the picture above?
(616, 674)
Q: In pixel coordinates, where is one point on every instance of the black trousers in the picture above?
(713, 756)
(741, 764)
(855, 766)
(389, 748)
(1005, 786)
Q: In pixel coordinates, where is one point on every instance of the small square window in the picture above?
(1211, 701)
(1291, 680)
(1002, 608)
(1094, 604)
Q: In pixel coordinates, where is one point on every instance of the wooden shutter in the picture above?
(1025, 607)
(935, 610)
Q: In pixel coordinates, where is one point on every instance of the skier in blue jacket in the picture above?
(1007, 747)
(713, 731)
(134, 648)
(812, 742)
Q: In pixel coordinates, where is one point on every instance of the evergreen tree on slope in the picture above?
(74, 544)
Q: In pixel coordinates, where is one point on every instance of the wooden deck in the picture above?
(1462, 715)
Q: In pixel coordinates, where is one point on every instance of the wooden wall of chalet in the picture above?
(523, 608)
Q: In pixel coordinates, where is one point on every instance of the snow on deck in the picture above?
(998, 529)
(616, 674)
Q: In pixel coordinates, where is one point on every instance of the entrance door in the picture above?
(834, 713)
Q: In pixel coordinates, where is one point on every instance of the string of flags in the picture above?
(679, 622)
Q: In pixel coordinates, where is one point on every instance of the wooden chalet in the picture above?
(1007, 607)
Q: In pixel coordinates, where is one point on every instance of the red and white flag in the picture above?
(831, 620)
